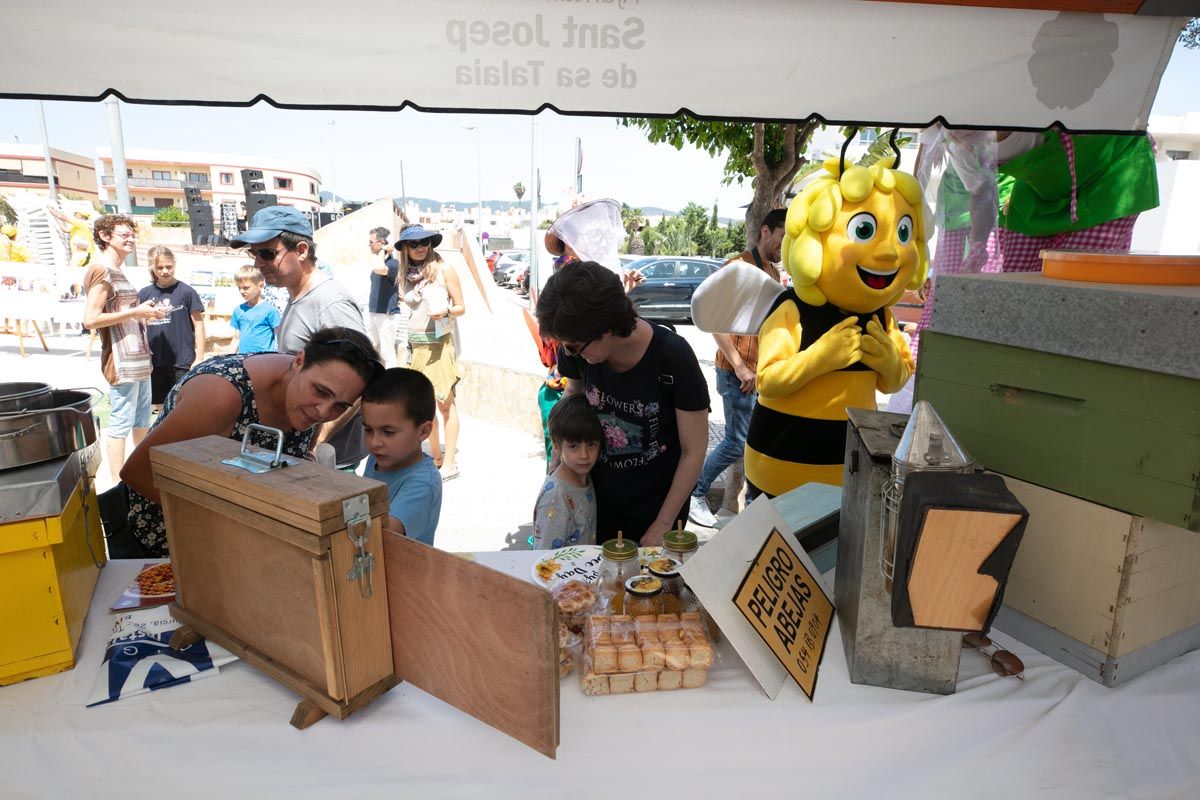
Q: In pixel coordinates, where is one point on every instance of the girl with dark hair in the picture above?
(226, 394)
(645, 385)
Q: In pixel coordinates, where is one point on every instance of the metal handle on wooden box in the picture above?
(259, 461)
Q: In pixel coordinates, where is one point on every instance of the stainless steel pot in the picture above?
(44, 434)
(16, 397)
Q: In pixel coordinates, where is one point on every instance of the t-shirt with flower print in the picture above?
(636, 409)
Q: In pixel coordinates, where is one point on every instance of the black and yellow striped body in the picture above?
(799, 436)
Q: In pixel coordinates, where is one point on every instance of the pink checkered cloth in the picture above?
(1021, 253)
(949, 259)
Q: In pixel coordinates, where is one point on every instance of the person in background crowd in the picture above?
(78, 230)
(383, 288)
(398, 412)
(254, 321)
(645, 385)
(1071, 192)
(177, 341)
(430, 288)
(112, 309)
(224, 395)
(10, 248)
(590, 231)
(737, 362)
(281, 241)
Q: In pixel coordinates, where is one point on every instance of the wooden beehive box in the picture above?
(262, 566)
(1111, 594)
(1089, 389)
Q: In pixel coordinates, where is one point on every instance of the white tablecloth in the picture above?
(1056, 734)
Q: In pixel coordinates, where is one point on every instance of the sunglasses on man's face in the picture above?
(265, 253)
(1004, 663)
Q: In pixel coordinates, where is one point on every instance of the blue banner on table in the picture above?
(138, 659)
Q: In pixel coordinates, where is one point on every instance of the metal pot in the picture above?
(17, 397)
(45, 434)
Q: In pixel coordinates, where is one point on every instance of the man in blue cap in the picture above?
(280, 239)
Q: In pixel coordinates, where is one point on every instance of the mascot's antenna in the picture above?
(895, 147)
(842, 161)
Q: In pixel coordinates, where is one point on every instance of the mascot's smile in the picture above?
(877, 279)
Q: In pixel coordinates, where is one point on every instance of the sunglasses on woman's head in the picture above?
(379, 368)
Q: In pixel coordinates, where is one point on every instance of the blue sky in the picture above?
(359, 153)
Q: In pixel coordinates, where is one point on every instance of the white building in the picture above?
(1172, 228)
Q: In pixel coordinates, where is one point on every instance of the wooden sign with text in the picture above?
(788, 608)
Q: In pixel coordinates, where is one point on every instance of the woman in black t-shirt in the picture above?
(645, 385)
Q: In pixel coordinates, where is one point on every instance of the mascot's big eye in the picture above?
(861, 227)
(904, 229)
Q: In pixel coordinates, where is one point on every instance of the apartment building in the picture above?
(23, 171)
(158, 178)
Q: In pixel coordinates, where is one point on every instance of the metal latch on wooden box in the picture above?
(260, 461)
(356, 512)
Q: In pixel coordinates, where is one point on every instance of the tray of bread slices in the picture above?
(648, 653)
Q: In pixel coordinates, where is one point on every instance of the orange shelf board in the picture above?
(1153, 269)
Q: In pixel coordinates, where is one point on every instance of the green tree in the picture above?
(171, 217)
(768, 153)
(633, 221)
(519, 190)
(7, 215)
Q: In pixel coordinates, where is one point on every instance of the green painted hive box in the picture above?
(1100, 428)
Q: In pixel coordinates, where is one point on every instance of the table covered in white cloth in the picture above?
(1055, 734)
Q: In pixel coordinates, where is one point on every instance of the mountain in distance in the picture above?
(505, 205)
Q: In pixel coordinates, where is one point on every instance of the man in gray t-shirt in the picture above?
(284, 252)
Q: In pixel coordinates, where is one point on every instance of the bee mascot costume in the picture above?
(854, 241)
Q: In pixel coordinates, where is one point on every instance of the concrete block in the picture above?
(1155, 328)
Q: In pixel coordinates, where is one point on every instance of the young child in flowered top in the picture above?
(565, 513)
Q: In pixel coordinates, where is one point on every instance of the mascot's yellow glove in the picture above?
(782, 370)
(886, 353)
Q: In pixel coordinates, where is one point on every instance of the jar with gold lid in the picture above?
(643, 595)
(666, 569)
(680, 544)
(618, 563)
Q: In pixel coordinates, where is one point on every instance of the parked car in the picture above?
(666, 292)
(506, 265)
(491, 260)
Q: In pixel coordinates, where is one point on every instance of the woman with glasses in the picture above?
(644, 383)
(430, 290)
(227, 394)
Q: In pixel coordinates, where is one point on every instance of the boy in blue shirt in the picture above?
(397, 415)
(253, 322)
(565, 513)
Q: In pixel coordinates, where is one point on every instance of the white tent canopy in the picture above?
(844, 60)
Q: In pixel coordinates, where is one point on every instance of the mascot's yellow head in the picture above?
(856, 239)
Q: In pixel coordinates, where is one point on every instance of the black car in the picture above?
(666, 292)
